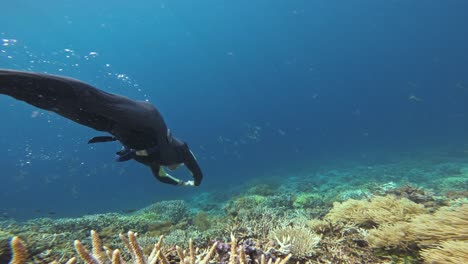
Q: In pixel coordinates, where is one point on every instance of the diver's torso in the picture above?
(165, 155)
(152, 135)
(134, 139)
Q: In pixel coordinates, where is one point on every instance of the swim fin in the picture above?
(101, 139)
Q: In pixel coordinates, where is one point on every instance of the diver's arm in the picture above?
(160, 174)
(192, 165)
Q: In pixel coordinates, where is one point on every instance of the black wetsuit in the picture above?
(138, 125)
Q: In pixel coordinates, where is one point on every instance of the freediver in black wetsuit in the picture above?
(138, 125)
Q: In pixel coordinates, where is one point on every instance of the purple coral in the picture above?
(223, 250)
(251, 251)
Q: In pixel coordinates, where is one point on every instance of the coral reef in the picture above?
(256, 223)
(244, 203)
(307, 200)
(263, 189)
(379, 215)
(159, 254)
(400, 226)
(202, 221)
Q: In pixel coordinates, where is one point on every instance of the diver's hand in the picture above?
(186, 183)
(125, 154)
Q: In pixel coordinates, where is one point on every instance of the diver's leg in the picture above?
(34, 89)
(79, 101)
(53, 93)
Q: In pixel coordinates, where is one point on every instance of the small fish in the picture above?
(190, 222)
(414, 98)
(51, 213)
(460, 85)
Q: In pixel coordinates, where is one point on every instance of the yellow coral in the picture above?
(427, 230)
(318, 225)
(379, 210)
(391, 236)
(445, 224)
(449, 252)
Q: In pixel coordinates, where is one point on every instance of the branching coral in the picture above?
(104, 255)
(256, 223)
(244, 204)
(20, 253)
(136, 252)
(181, 237)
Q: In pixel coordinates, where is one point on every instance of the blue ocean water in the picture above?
(258, 89)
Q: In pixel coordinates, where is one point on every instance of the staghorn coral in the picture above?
(109, 224)
(181, 237)
(379, 210)
(20, 253)
(104, 255)
(256, 223)
(450, 252)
